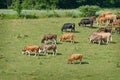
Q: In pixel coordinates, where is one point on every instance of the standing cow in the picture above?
(68, 26)
(86, 21)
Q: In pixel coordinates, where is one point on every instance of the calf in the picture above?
(47, 37)
(46, 47)
(30, 48)
(68, 26)
(86, 21)
(67, 36)
(75, 57)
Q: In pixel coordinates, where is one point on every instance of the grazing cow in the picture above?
(47, 37)
(68, 26)
(95, 38)
(86, 21)
(117, 29)
(105, 36)
(75, 57)
(46, 47)
(67, 36)
(31, 48)
(115, 23)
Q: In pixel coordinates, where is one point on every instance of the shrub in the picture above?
(88, 10)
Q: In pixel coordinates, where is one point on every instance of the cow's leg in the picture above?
(54, 41)
(45, 52)
(45, 42)
(28, 52)
(107, 40)
(35, 53)
(99, 42)
(111, 38)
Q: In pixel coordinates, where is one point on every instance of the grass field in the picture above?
(100, 62)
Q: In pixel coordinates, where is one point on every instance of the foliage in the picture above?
(58, 4)
(89, 10)
(17, 6)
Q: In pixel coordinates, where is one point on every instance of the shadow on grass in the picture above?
(58, 43)
(93, 27)
(70, 31)
(113, 42)
(75, 42)
(81, 62)
(41, 54)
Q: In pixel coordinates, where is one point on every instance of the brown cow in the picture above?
(30, 48)
(105, 29)
(67, 36)
(115, 23)
(110, 17)
(103, 14)
(47, 37)
(75, 57)
(46, 47)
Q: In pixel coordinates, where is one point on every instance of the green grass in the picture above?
(101, 62)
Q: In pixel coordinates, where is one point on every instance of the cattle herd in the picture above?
(102, 36)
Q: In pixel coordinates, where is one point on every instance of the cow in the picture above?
(105, 36)
(44, 48)
(95, 38)
(93, 17)
(110, 17)
(101, 20)
(117, 29)
(105, 29)
(103, 14)
(75, 57)
(115, 23)
(31, 48)
(86, 21)
(67, 36)
(47, 37)
(68, 26)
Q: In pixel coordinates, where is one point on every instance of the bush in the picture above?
(8, 16)
(88, 10)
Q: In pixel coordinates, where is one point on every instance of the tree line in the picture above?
(57, 4)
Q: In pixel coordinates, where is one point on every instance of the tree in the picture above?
(16, 5)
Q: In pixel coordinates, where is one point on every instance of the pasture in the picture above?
(100, 62)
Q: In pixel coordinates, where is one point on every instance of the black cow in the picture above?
(68, 26)
(86, 21)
